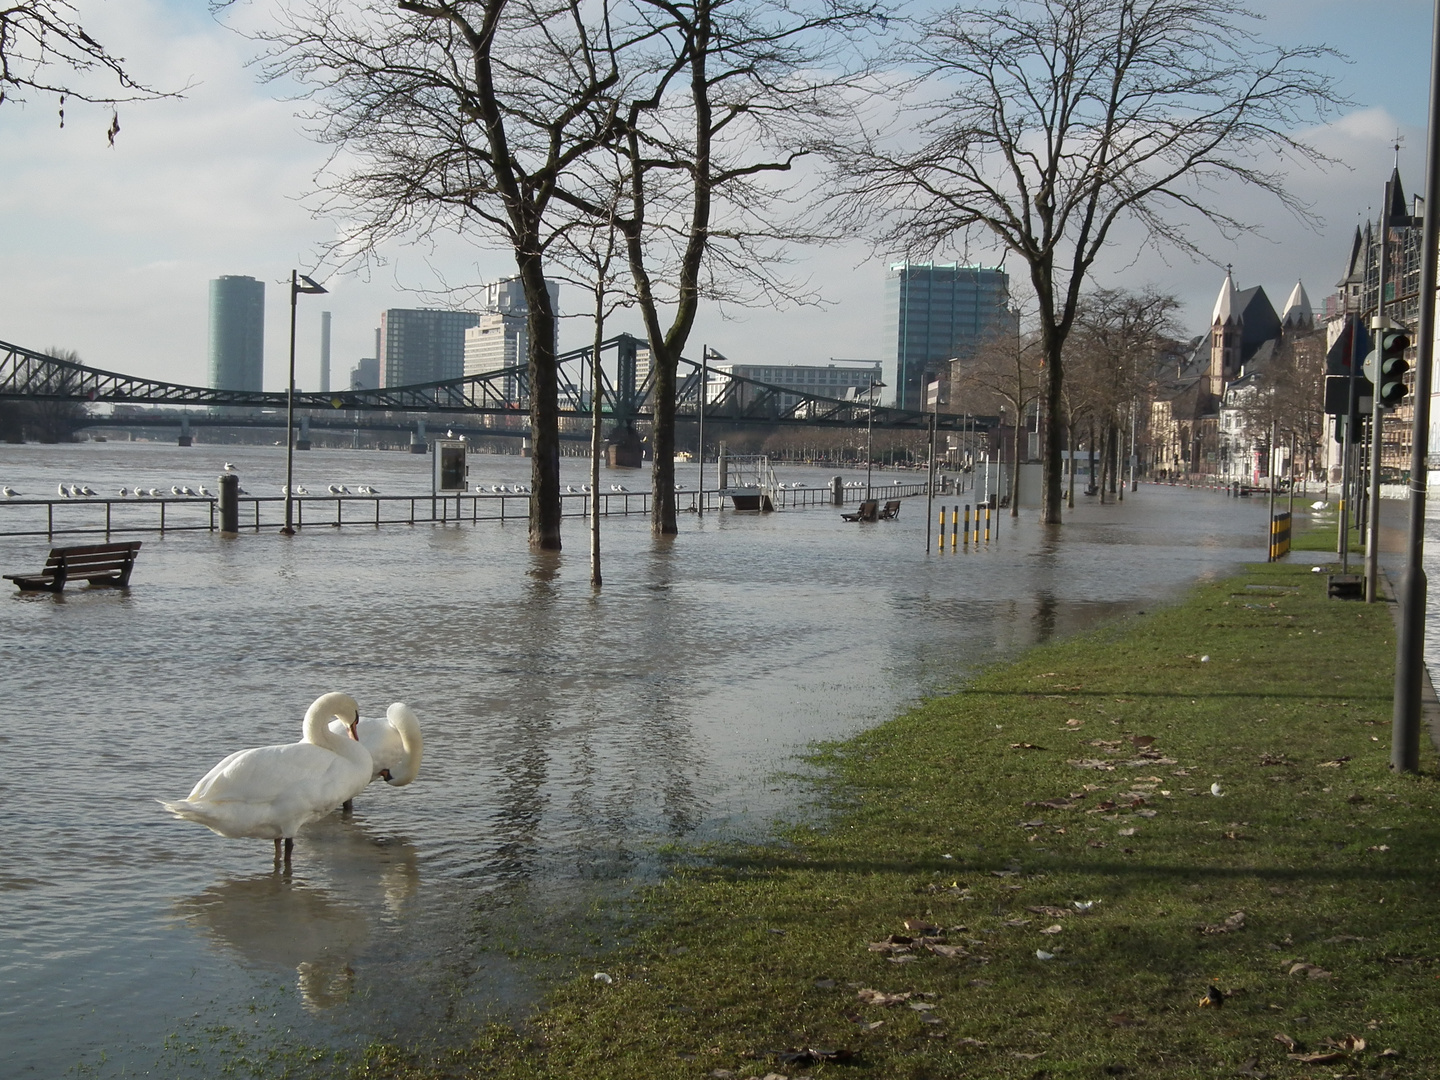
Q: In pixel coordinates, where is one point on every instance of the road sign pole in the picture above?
(1410, 643)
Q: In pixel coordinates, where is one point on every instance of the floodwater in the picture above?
(569, 735)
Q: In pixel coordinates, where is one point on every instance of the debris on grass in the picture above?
(1229, 926)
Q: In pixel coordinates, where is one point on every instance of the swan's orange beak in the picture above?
(354, 725)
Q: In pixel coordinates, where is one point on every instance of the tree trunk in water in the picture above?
(1054, 406)
(1015, 465)
(1114, 454)
(1070, 457)
(1090, 457)
(662, 446)
(544, 409)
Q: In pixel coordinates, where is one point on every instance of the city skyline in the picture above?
(111, 249)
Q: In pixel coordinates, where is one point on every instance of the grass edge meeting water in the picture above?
(1035, 876)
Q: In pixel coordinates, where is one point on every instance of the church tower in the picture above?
(1226, 328)
(1299, 316)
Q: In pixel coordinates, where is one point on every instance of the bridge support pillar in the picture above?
(303, 441)
(229, 504)
(417, 439)
(185, 439)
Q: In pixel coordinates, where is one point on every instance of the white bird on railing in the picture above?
(240, 491)
(174, 490)
(61, 489)
(186, 490)
(205, 492)
(154, 493)
(334, 489)
(301, 490)
(9, 492)
(570, 489)
(229, 467)
(87, 490)
(123, 492)
(586, 489)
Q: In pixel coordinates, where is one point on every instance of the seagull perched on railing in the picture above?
(229, 466)
(205, 493)
(174, 490)
(87, 490)
(123, 492)
(9, 492)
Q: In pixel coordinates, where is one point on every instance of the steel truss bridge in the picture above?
(625, 399)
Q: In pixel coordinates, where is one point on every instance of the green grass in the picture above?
(1256, 683)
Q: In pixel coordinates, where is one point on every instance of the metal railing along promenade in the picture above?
(100, 515)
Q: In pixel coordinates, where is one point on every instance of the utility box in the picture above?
(451, 473)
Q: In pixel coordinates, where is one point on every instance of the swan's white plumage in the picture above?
(269, 792)
(394, 743)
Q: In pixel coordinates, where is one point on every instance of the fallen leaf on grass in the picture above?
(1092, 763)
(1286, 1041)
(880, 997)
(1389, 1053)
(1047, 909)
(1351, 1044)
(920, 926)
(970, 1042)
(950, 952)
(1312, 970)
(1334, 763)
(922, 1006)
(1058, 803)
(1074, 723)
(1230, 925)
(1146, 813)
(1026, 1057)
(1032, 824)
(1318, 1058)
(1025, 746)
(1127, 832)
(1379, 847)
(1213, 998)
(813, 1055)
(1057, 928)
(1141, 742)
(900, 959)
(1041, 954)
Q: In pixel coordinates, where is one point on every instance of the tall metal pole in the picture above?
(700, 453)
(869, 430)
(1372, 538)
(930, 490)
(1410, 643)
(596, 439)
(1270, 515)
(289, 529)
(1347, 448)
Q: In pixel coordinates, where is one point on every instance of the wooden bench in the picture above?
(891, 511)
(869, 510)
(99, 564)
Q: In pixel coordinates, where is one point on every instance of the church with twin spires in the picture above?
(1199, 417)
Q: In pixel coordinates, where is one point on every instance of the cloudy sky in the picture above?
(109, 251)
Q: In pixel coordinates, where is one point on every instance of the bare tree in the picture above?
(467, 115)
(1041, 124)
(732, 96)
(1112, 354)
(44, 49)
(1004, 374)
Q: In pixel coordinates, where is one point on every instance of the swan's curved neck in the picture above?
(317, 719)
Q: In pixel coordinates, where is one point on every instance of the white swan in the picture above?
(271, 791)
(394, 744)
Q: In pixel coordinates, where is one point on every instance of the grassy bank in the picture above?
(1036, 878)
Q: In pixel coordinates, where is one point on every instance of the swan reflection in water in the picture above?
(318, 925)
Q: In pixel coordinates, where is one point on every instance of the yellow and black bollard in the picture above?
(967, 525)
(942, 529)
(987, 523)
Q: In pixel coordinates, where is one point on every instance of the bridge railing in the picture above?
(103, 516)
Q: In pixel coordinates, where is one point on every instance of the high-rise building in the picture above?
(237, 333)
(422, 345)
(325, 352)
(938, 312)
(501, 337)
(366, 374)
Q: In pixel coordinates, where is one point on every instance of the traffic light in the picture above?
(1386, 366)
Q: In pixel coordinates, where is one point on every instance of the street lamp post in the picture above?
(875, 384)
(299, 283)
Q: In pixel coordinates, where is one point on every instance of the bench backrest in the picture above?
(92, 558)
(892, 504)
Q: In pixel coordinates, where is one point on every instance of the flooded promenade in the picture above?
(569, 734)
